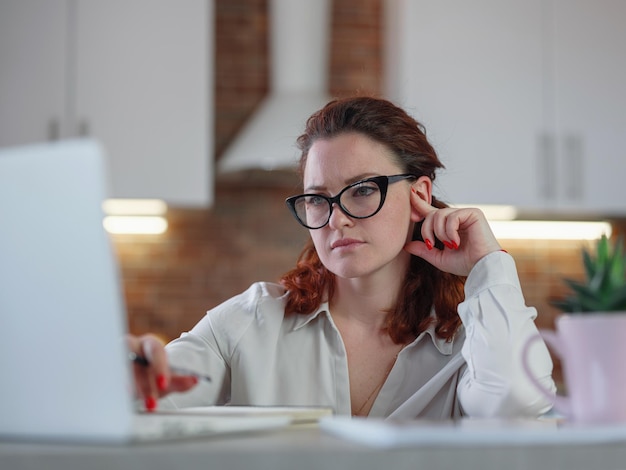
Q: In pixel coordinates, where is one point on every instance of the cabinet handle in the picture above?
(547, 166)
(54, 129)
(83, 128)
(573, 160)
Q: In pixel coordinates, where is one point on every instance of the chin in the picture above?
(349, 272)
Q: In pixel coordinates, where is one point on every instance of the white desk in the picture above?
(303, 448)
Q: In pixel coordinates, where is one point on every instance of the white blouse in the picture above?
(256, 355)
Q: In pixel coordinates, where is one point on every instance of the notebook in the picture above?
(63, 361)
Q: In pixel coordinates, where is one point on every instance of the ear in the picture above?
(422, 188)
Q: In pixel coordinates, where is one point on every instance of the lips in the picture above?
(344, 242)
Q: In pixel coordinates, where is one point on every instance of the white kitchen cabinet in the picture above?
(590, 104)
(133, 74)
(524, 100)
(33, 70)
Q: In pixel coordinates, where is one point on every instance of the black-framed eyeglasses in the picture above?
(359, 200)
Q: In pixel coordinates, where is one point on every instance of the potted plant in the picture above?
(604, 287)
(590, 338)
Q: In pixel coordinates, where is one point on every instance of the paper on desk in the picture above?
(382, 433)
(297, 414)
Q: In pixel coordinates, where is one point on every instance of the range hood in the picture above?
(299, 39)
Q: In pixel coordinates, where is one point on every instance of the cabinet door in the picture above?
(143, 88)
(33, 68)
(471, 72)
(590, 97)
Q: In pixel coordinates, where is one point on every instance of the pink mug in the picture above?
(592, 350)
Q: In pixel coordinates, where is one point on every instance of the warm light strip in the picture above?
(135, 216)
(146, 225)
(134, 207)
(494, 211)
(549, 230)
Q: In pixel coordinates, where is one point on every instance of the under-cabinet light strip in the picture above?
(549, 230)
(135, 216)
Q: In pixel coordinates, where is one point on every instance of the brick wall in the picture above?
(356, 47)
(241, 58)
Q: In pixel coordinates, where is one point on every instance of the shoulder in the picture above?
(252, 314)
(260, 304)
(257, 295)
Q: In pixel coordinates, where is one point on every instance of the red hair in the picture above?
(425, 287)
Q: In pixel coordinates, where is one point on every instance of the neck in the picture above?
(367, 300)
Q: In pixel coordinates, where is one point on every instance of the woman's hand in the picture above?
(154, 379)
(464, 232)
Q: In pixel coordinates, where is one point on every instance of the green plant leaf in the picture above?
(604, 285)
(617, 300)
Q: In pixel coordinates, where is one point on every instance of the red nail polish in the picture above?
(161, 382)
(454, 245)
(428, 244)
(448, 245)
(150, 403)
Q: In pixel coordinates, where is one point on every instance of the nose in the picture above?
(338, 218)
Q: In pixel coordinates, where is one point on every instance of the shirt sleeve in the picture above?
(216, 347)
(207, 350)
(498, 324)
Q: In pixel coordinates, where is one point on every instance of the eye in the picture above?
(364, 190)
(315, 201)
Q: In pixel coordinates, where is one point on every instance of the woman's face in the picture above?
(350, 247)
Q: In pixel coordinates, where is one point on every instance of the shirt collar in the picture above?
(302, 320)
(443, 346)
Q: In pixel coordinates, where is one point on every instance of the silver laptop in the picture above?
(63, 361)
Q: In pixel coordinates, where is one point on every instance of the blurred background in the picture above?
(198, 103)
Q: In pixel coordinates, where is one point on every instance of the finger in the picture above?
(157, 374)
(182, 383)
(426, 231)
(439, 226)
(140, 372)
(446, 225)
(154, 351)
(452, 224)
(143, 381)
(421, 250)
(422, 207)
(417, 248)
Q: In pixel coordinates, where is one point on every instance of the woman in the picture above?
(400, 306)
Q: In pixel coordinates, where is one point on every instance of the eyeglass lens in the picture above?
(359, 200)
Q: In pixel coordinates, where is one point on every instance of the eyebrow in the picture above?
(348, 182)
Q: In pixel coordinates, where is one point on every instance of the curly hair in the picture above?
(425, 287)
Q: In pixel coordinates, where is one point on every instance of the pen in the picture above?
(143, 361)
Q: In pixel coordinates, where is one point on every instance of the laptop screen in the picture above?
(62, 358)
